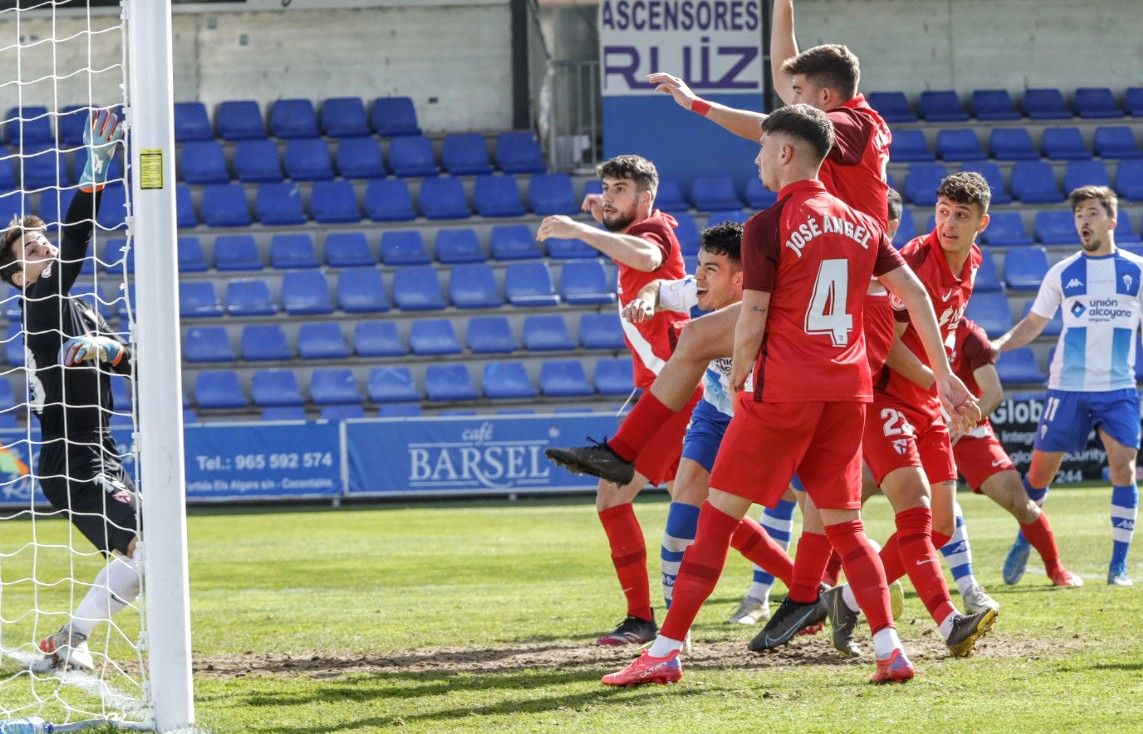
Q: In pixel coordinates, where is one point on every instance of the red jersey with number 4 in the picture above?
(814, 254)
(949, 293)
(854, 170)
(971, 351)
(651, 341)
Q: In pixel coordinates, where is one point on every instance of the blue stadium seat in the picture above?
(347, 250)
(959, 145)
(669, 197)
(547, 333)
(360, 158)
(307, 159)
(987, 278)
(687, 233)
(218, 389)
(733, 215)
(1064, 143)
(1056, 228)
(506, 381)
(284, 413)
(1006, 229)
(293, 251)
(1097, 103)
(893, 106)
(399, 410)
(112, 259)
(1011, 144)
(184, 207)
(403, 247)
(922, 181)
(1133, 102)
(416, 289)
(361, 290)
(378, 339)
(392, 116)
(43, 167)
(197, 299)
(1034, 182)
(1055, 324)
(321, 340)
(449, 382)
(454, 246)
(1082, 173)
(207, 344)
(601, 330)
(519, 152)
(552, 193)
(995, 179)
(224, 205)
(529, 284)
(334, 202)
(249, 297)
(236, 252)
(113, 207)
(1116, 141)
(1124, 231)
(906, 231)
(465, 154)
(514, 242)
(305, 292)
(53, 203)
(388, 200)
(256, 161)
(412, 156)
(344, 117)
(336, 413)
(202, 162)
(757, 196)
(191, 122)
(496, 196)
(615, 376)
(73, 121)
(13, 204)
(564, 249)
(443, 198)
(990, 311)
(279, 204)
(14, 345)
(714, 193)
(8, 163)
(585, 282)
(490, 335)
(1025, 268)
(993, 104)
(275, 387)
(1045, 104)
(240, 120)
(191, 257)
(391, 385)
(564, 378)
(334, 386)
(909, 146)
(942, 105)
(1018, 367)
(293, 118)
(433, 337)
(474, 286)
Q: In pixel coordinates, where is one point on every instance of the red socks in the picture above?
(699, 572)
(920, 559)
(809, 563)
(753, 542)
(863, 569)
(629, 554)
(833, 570)
(1040, 536)
(644, 420)
(891, 553)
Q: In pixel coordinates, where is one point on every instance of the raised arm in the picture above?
(783, 46)
(991, 391)
(742, 123)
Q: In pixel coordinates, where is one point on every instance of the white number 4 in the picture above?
(826, 314)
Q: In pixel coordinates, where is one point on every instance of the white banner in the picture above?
(715, 46)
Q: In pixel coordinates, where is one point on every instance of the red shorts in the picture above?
(980, 457)
(659, 459)
(897, 437)
(767, 443)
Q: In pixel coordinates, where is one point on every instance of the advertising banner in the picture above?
(1015, 421)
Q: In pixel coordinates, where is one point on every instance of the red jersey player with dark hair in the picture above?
(641, 240)
(800, 334)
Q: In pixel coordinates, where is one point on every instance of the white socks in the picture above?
(664, 646)
(885, 642)
(115, 586)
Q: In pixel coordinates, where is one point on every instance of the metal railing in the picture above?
(570, 114)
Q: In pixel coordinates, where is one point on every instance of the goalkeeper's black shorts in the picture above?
(93, 492)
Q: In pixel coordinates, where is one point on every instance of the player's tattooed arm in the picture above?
(748, 334)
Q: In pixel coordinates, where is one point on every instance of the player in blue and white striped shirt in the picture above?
(1091, 382)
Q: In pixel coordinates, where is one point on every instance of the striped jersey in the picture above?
(682, 296)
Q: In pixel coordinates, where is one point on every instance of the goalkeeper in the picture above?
(72, 353)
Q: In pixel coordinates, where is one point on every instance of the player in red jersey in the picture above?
(641, 241)
(799, 334)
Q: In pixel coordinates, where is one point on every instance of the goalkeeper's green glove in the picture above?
(88, 348)
(100, 139)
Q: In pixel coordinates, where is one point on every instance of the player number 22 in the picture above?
(826, 314)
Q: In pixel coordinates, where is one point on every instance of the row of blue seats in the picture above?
(340, 117)
(381, 339)
(562, 378)
(1031, 182)
(1014, 144)
(386, 410)
(945, 105)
